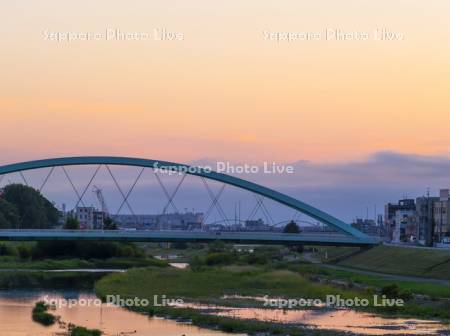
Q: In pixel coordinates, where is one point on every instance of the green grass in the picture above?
(52, 264)
(431, 289)
(211, 284)
(45, 280)
(402, 261)
(327, 254)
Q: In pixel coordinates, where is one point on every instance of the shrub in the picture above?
(394, 292)
(7, 250)
(218, 258)
(391, 291)
(40, 314)
(86, 250)
(25, 251)
(81, 331)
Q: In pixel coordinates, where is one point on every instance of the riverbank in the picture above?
(208, 287)
(224, 289)
(244, 286)
(40, 314)
(407, 261)
(353, 277)
(47, 280)
(76, 263)
(71, 309)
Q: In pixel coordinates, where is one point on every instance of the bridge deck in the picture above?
(188, 236)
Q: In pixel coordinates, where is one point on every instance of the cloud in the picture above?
(345, 190)
(385, 168)
(349, 189)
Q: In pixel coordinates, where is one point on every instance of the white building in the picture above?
(89, 218)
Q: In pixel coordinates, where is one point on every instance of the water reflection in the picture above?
(343, 320)
(339, 319)
(16, 307)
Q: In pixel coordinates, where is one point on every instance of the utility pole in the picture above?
(239, 211)
(375, 213)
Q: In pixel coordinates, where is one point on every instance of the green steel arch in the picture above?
(202, 172)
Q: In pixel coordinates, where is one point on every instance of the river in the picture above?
(16, 307)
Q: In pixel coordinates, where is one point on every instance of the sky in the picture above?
(225, 88)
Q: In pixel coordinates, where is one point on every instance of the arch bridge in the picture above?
(345, 233)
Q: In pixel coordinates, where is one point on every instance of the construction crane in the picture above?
(98, 192)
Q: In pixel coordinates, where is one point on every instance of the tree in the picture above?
(109, 224)
(180, 245)
(217, 246)
(35, 211)
(9, 215)
(72, 224)
(291, 227)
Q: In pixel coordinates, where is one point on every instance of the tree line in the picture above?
(22, 207)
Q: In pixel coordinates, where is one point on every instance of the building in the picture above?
(256, 225)
(405, 229)
(180, 221)
(441, 214)
(369, 227)
(170, 221)
(425, 219)
(390, 215)
(90, 218)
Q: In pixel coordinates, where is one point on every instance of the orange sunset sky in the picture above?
(224, 91)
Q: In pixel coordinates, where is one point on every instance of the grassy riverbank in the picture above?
(220, 270)
(421, 262)
(208, 286)
(45, 280)
(48, 255)
(12, 263)
(433, 290)
(211, 284)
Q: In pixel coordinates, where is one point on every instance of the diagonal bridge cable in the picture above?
(260, 205)
(170, 201)
(215, 201)
(46, 179)
(89, 184)
(80, 200)
(130, 190)
(23, 178)
(121, 191)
